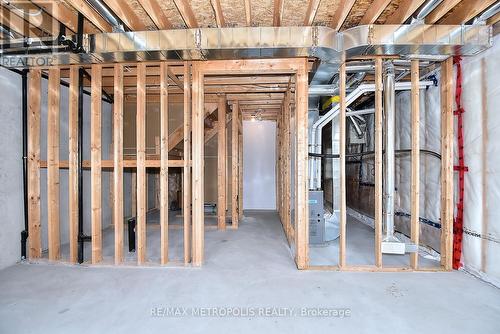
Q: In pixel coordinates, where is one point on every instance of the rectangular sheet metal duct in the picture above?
(261, 42)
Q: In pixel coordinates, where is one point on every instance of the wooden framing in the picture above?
(156, 14)
(219, 15)
(186, 12)
(73, 164)
(374, 11)
(164, 164)
(415, 159)
(248, 13)
(447, 163)
(299, 67)
(195, 112)
(198, 165)
(53, 165)
(378, 162)
(95, 163)
(277, 12)
(312, 8)
(186, 175)
(141, 164)
(405, 10)
(118, 162)
(34, 223)
(126, 14)
(221, 163)
(302, 149)
(83, 7)
(234, 166)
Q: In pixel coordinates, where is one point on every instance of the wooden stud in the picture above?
(234, 165)
(415, 159)
(405, 10)
(73, 164)
(123, 10)
(219, 15)
(141, 164)
(467, 11)
(376, 8)
(198, 165)
(17, 24)
(153, 9)
(221, 163)
(118, 162)
(341, 14)
(83, 7)
(437, 13)
(286, 165)
(95, 163)
(278, 12)
(447, 163)
(186, 184)
(342, 199)
(53, 118)
(63, 14)
(312, 8)
(186, 12)
(164, 163)
(302, 189)
(248, 13)
(34, 225)
(378, 161)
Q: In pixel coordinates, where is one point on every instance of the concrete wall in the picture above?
(11, 193)
(11, 168)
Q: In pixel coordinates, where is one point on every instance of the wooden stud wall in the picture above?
(164, 163)
(118, 161)
(73, 164)
(186, 184)
(95, 163)
(447, 163)
(141, 164)
(34, 223)
(192, 133)
(198, 165)
(53, 118)
(234, 165)
(221, 163)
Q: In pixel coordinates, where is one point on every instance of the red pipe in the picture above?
(458, 223)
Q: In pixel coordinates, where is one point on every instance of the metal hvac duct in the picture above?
(263, 42)
(315, 138)
(389, 133)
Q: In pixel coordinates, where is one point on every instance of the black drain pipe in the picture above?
(80, 171)
(24, 233)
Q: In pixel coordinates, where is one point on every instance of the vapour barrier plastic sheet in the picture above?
(481, 101)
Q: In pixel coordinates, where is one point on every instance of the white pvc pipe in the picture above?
(317, 127)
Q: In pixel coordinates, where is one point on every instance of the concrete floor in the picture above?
(249, 270)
